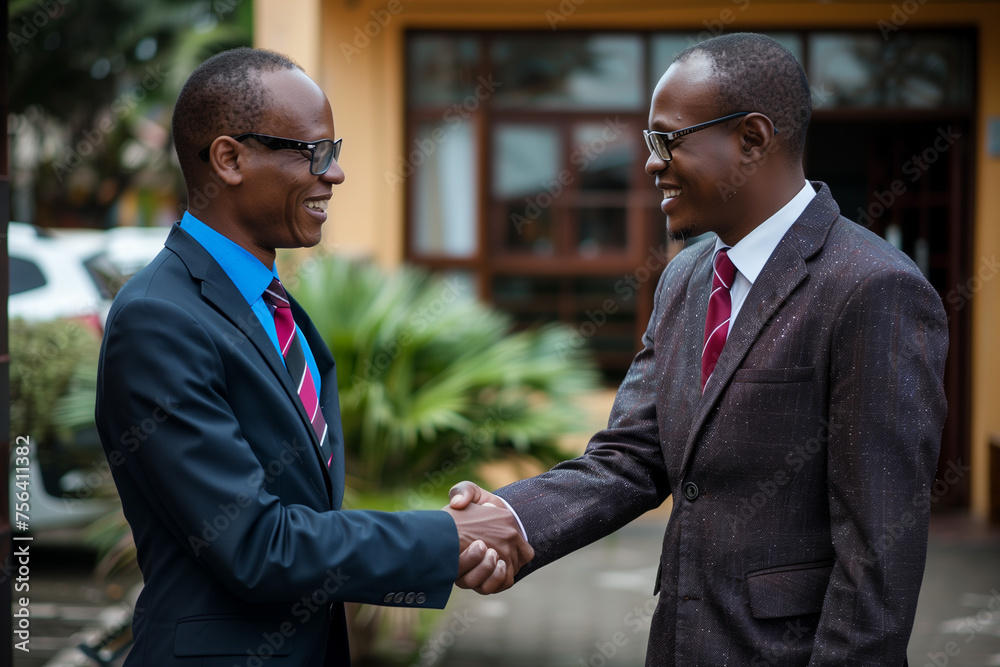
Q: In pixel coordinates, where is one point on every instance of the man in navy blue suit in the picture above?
(217, 407)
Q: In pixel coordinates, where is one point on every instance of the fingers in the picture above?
(481, 571)
(464, 493)
(499, 580)
(497, 528)
(472, 557)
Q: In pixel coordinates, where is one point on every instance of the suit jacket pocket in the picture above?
(229, 635)
(790, 590)
(775, 375)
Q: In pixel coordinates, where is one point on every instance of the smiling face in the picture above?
(280, 204)
(694, 184)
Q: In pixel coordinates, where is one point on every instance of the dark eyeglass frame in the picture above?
(281, 143)
(658, 143)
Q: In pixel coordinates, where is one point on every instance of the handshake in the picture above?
(492, 545)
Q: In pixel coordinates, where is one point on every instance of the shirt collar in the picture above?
(752, 251)
(246, 271)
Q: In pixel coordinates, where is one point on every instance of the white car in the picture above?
(50, 278)
(74, 273)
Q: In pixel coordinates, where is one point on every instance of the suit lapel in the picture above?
(783, 272)
(218, 289)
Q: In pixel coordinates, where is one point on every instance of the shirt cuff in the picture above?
(520, 525)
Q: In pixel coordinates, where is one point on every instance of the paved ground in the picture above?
(592, 608)
(69, 607)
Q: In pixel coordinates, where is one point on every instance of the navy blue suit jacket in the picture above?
(244, 550)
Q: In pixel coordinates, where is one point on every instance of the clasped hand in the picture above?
(492, 546)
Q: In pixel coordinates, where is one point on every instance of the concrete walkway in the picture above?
(592, 608)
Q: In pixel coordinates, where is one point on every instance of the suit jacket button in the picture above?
(691, 490)
(421, 598)
(388, 598)
(399, 598)
(410, 597)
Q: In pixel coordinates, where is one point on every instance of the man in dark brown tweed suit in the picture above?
(800, 462)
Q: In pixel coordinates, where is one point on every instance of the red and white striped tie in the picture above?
(720, 308)
(295, 361)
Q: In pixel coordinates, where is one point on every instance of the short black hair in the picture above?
(222, 96)
(756, 73)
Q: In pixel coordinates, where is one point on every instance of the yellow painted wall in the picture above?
(358, 60)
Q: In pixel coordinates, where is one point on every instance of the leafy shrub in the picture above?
(432, 381)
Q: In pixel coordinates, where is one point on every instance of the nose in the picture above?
(334, 174)
(654, 164)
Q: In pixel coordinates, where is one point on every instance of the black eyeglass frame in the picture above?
(653, 139)
(281, 143)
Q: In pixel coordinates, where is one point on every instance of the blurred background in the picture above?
(496, 245)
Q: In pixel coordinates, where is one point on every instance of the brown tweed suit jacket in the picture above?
(800, 479)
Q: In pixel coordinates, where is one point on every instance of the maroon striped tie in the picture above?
(295, 361)
(720, 308)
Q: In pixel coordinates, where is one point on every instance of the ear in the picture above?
(756, 137)
(224, 158)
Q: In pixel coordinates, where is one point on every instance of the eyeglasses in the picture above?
(658, 143)
(322, 153)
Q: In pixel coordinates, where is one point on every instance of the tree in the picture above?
(91, 92)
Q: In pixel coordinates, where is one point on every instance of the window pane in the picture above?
(524, 157)
(596, 71)
(530, 300)
(445, 193)
(914, 71)
(664, 48)
(605, 154)
(441, 69)
(526, 182)
(24, 275)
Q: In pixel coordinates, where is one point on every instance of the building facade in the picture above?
(501, 144)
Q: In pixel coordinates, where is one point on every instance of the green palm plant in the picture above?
(432, 381)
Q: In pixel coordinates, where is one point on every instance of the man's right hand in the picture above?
(495, 529)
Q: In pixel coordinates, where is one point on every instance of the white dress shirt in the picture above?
(752, 251)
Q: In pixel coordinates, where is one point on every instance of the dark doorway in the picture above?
(909, 181)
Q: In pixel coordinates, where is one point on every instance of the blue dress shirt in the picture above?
(251, 279)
